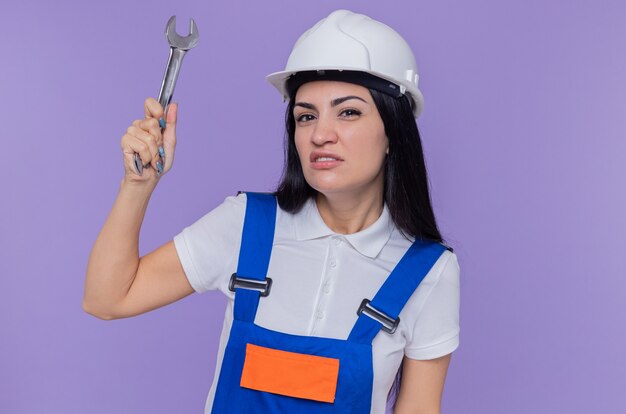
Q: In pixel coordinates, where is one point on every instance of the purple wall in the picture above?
(524, 133)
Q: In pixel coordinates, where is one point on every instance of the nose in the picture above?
(324, 131)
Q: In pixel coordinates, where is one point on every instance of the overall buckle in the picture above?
(262, 286)
(389, 324)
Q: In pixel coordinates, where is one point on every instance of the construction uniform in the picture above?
(316, 303)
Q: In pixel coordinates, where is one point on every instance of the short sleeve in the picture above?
(209, 248)
(436, 331)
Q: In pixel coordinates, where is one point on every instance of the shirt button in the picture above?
(319, 314)
(333, 263)
(326, 288)
(337, 241)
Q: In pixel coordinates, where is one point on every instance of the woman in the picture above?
(352, 224)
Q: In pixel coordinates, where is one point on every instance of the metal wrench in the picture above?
(178, 47)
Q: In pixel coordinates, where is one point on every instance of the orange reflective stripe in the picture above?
(289, 373)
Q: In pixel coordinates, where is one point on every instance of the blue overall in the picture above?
(355, 374)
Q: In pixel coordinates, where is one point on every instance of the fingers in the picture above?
(151, 126)
(152, 108)
(169, 135)
(170, 123)
(146, 137)
(172, 114)
(142, 141)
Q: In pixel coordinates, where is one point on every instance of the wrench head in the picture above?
(180, 42)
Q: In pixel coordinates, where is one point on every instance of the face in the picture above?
(340, 138)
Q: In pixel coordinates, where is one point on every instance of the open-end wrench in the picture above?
(178, 47)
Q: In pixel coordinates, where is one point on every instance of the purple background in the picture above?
(523, 132)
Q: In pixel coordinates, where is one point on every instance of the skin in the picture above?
(119, 284)
(422, 385)
(342, 118)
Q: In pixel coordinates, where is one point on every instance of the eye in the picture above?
(304, 117)
(350, 113)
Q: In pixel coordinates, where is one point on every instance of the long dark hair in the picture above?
(406, 182)
(406, 190)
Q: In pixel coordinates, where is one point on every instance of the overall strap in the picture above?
(396, 291)
(254, 255)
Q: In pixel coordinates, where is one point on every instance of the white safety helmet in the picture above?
(352, 42)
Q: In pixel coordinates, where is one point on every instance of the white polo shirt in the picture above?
(319, 280)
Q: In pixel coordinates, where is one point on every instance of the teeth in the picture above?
(325, 159)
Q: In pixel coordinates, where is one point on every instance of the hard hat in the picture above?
(347, 41)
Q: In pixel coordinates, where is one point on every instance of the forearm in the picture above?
(115, 255)
(415, 411)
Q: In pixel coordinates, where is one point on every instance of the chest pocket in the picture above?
(292, 374)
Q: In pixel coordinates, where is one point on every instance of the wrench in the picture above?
(178, 47)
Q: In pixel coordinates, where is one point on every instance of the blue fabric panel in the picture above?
(256, 248)
(355, 379)
(354, 385)
(258, 236)
(246, 303)
(398, 288)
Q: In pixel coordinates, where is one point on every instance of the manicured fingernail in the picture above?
(162, 154)
(138, 164)
(162, 123)
(159, 167)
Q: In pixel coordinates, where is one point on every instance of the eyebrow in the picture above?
(333, 103)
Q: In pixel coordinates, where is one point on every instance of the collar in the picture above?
(309, 225)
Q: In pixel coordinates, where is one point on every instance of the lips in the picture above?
(324, 156)
(324, 160)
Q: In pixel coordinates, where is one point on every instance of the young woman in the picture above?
(341, 291)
